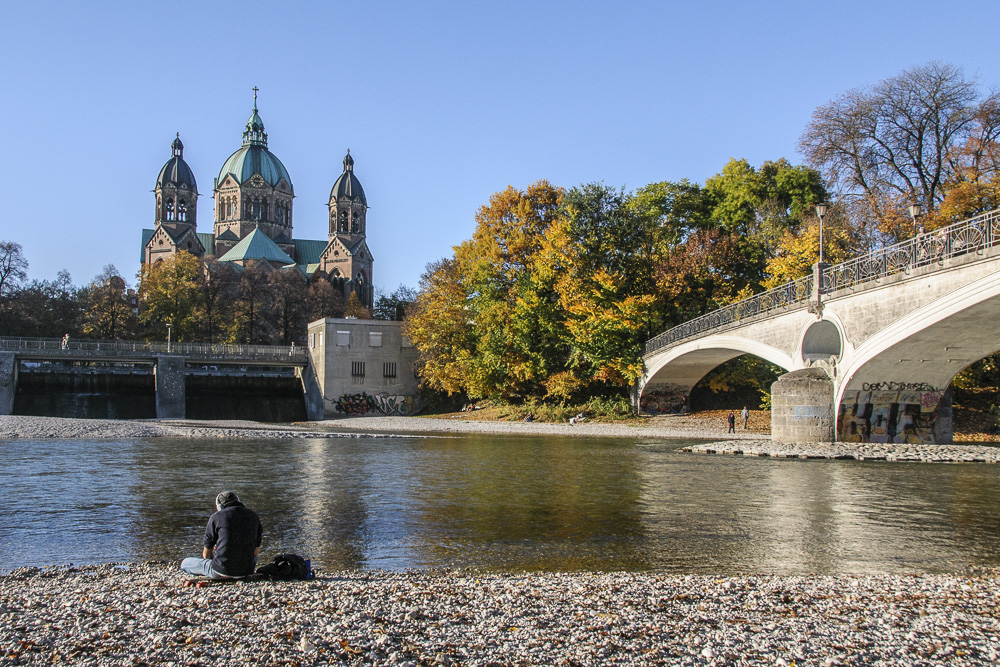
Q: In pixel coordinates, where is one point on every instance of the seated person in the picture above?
(232, 541)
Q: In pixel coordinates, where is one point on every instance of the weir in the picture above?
(126, 379)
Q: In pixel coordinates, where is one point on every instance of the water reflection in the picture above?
(497, 503)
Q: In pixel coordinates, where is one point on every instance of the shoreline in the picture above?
(124, 614)
(682, 427)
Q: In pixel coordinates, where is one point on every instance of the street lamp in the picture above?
(821, 213)
(168, 336)
(916, 213)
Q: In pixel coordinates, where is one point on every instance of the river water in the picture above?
(497, 503)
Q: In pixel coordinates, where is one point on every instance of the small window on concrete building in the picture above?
(389, 369)
(358, 368)
(312, 340)
(343, 338)
(375, 338)
(320, 341)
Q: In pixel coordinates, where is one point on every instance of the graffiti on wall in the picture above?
(383, 404)
(888, 416)
(661, 402)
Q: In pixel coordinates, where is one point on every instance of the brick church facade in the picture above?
(253, 218)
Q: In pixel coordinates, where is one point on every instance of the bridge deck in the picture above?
(50, 349)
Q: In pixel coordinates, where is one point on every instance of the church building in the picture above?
(253, 217)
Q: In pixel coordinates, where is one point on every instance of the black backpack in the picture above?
(287, 567)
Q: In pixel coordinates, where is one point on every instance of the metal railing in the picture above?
(962, 238)
(61, 347)
(781, 299)
(968, 236)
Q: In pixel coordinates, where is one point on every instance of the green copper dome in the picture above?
(254, 158)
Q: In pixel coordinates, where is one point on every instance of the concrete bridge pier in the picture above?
(170, 395)
(8, 382)
(802, 407)
(312, 393)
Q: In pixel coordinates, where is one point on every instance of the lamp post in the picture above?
(168, 336)
(915, 213)
(821, 213)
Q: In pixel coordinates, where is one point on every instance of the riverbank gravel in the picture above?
(867, 451)
(143, 614)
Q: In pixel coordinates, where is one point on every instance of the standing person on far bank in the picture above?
(746, 417)
(232, 541)
(732, 421)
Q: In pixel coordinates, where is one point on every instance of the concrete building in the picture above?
(363, 367)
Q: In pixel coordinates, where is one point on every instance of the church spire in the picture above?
(254, 134)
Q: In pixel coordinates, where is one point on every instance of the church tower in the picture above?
(253, 191)
(347, 261)
(176, 216)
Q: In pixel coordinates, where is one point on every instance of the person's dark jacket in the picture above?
(235, 533)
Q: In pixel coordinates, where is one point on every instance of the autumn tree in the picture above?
(354, 308)
(323, 300)
(172, 291)
(13, 268)
(219, 290)
(109, 314)
(901, 141)
(252, 310)
(392, 306)
(602, 254)
(441, 328)
(288, 287)
(513, 348)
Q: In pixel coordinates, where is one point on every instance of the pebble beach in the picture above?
(145, 614)
(150, 614)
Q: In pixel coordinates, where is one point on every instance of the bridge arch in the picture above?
(670, 376)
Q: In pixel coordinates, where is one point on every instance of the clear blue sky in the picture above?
(441, 103)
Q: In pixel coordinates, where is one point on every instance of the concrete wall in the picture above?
(8, 382)
(363, 367)
(170, 395)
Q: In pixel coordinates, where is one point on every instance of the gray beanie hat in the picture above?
(226, 498)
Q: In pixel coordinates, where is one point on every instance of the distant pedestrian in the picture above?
(732, 421)
(746, 417)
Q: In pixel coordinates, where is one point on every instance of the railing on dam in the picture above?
(75, 348)
(962, 238)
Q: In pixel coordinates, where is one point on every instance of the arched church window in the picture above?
(343, 221)
(170, 209)
(263, 210)
(182, 210)
(355, 223)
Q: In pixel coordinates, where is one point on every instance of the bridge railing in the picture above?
(57, 347)
(962, 238)
(759, 306)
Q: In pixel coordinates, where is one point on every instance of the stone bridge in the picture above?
(168, 362)
(870, 345)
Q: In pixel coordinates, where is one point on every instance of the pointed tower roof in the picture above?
(254, 157)
(257, 245)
